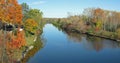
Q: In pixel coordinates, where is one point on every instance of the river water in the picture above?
(66, 47)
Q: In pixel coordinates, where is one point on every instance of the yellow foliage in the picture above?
(31, 25)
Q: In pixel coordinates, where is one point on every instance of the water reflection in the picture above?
(75, 37)
(11, 43)
(91, 42)
(67, 47)
(37, 46)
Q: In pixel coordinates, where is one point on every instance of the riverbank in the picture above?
(101, 34)
(76, 31)
(31, 50)
(14, 53)
(80, 46)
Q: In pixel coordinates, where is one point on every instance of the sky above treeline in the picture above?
(61, 8)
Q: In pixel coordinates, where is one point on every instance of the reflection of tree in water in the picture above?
(12, 44)
(75, 37)
(94, 43)
(91, 43)
(13, 53)
(3, 55)
(15, 42)
(37, 46)
(98, 44)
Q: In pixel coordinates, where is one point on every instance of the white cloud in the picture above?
(38, 2)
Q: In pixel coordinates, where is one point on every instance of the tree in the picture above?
(88, 15)
(35, 14)
(11, 12)
(31, 25)
(25, 10)
(118, 33)
(98, 15)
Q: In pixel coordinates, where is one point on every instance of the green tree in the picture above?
(35, 14)
(25, 10)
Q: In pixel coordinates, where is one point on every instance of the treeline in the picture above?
(93, 21)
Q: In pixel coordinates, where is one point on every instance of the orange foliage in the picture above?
(2, 2)
(98, 13)
(10, 11)
(17, 41)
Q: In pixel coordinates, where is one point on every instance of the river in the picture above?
(66, 47)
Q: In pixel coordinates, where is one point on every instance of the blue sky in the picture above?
(60, 8)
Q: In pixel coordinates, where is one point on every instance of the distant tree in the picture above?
(118, 33)
(88, 15)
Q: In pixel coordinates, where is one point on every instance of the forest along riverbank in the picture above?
(93, 21)
(74, 30)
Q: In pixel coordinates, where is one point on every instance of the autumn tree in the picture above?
(31, 25)
(11, 12)
(118, 33)
(35, 14)
(113, 21)
(88, 15)
(98, 18)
